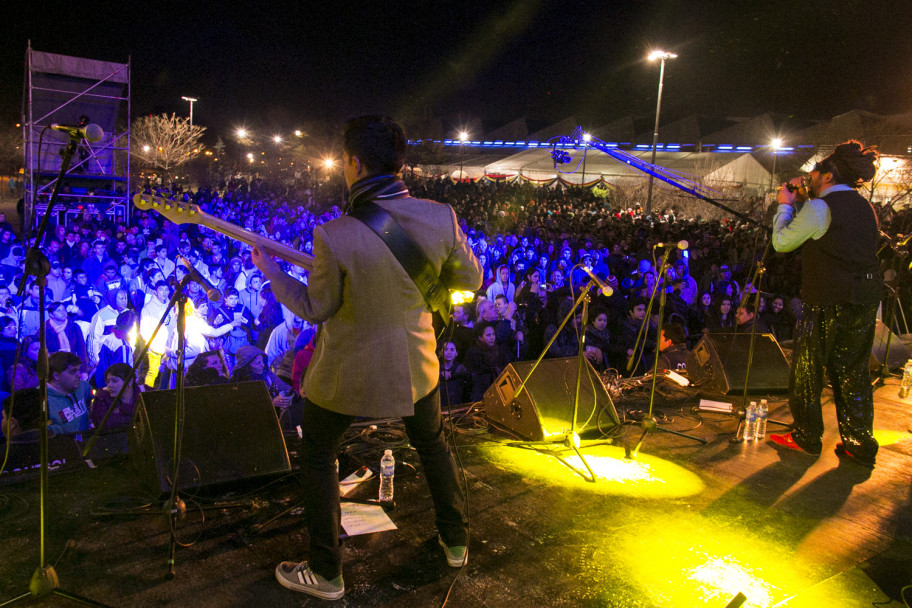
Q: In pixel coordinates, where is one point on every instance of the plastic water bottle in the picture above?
(762, 415)
(906, 385)
(387, 471)
(750, 422)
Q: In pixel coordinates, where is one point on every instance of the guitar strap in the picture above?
(407, 253)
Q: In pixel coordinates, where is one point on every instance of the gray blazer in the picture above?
(375, 354)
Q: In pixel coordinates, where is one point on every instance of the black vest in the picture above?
(841, 266)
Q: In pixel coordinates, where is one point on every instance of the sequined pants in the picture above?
(837, 340)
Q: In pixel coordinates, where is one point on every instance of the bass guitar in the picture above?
(190, 213)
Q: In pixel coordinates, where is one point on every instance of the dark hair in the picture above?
(675, 332)
(60, 361)
(120, 370)
(851, 163)
(748, 306)
(125, 319)
(5, 320)
(480, 329)
(231, 291)
(634, 302)
(377, 141)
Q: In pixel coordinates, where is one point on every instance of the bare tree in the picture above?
(165, 142)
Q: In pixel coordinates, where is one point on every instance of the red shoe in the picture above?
(843, 453)
(786, 441)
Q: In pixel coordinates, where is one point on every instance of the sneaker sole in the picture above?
(325, 595)
(454, 562)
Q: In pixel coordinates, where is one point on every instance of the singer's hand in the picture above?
(786, 197)
(264, 262)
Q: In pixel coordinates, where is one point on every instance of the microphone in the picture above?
(211, 292)
(680, 245)
(91, 132)
(605, 288)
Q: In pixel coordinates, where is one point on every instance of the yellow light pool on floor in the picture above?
(645, 477)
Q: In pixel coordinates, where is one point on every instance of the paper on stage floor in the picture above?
(364, 519)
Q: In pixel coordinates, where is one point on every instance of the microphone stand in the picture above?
(649, 422)
(756, 280)
(175, 506)
(569, 439)
(136, 359)
(639, 346)
(44, 581)
(889, 315)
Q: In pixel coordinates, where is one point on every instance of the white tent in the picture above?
(716, 170)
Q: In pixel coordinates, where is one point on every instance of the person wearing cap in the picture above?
(56, 284)
(725, 285)
(837, 231)
(111, 279)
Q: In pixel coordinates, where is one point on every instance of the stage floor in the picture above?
(684, 524)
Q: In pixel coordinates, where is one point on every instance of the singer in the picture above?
(841, 288)
(375, 354)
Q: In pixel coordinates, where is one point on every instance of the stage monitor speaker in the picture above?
(722, 365)
(231, 432)
(898, 355)
(544, 408)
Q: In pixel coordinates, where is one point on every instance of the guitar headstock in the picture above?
(175, 211)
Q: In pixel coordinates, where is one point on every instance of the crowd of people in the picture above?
(111, 282)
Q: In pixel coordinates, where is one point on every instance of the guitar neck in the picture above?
(182, 212)
(298, 258)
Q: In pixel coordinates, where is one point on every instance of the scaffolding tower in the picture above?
(73, 90)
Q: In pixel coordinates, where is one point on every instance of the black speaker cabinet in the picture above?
(898, 354)
(230, 432)
(545, 406)
(722, 365)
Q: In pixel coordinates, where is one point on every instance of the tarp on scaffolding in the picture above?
(65, 89)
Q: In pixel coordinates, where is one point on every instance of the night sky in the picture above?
(286, 65)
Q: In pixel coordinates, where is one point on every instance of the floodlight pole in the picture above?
(661, 55)
(191, 100)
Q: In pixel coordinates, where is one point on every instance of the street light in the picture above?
(662, 55)
(775, 144)
(463, 138)
(191, 100)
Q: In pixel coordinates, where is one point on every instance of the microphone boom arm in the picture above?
(658, 172)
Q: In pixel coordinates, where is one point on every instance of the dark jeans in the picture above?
(837, 339)
(322, 435)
